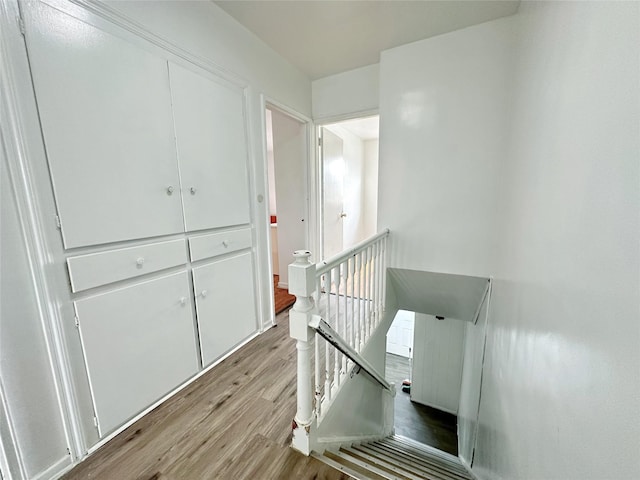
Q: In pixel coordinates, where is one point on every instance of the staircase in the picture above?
(395, 457)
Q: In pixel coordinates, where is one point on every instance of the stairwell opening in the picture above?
(422, 409)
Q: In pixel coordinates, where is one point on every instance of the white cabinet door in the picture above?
(139, 344)
(105, 109)
(212, 150)
(225, 304)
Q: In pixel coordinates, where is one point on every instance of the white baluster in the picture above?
(365, 296)
(376, 277)
(336, 375)
(327, 348)
(345, 320)
(316, 361)
(353, 323)
(361, 306)
(302, 275)
(356, 300)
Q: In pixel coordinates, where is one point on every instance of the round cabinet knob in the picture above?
(193, 190)
(343, 215)
(140, 261)
(169, 190)
(183, 301)
(204, 293)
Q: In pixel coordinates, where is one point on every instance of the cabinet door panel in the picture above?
(105, 108)
(225, 304)
(212, 150)
(139, 344)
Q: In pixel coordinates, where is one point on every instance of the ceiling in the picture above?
(324, 37)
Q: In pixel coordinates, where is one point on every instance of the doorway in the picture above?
(287, 153)
(348, 177)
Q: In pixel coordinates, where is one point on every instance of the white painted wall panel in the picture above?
(437, 362)
(346, 93)
(517, 145)
(105, 110)
(563, 363)
(212, 149)
(139, 344)
(370, 198)
(26, 375)
(225, 304)
(473, 358)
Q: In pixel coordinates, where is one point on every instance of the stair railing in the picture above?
(346, 293)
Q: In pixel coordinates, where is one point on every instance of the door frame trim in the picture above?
(310, 208)
(316, 169)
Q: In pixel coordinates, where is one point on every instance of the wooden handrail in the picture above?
(326, 265)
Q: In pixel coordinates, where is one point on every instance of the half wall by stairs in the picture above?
(394, 458)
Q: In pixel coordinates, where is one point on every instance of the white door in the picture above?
(289, 158)
(225, 304)
(212, 152)
(400, 334)
(108, 130)
(139, 344)
(333, 170)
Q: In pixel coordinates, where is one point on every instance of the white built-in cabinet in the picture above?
(148, 160)
(139, 344)
(222, 320)
(209, 122)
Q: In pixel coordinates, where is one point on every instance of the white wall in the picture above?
(511, 149)
(346, 93)
(27, 383)
(370, 196)
(443, 108)
(562, 375)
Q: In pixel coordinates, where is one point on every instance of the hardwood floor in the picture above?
(419, 422)
(232, 423)
(281, 298)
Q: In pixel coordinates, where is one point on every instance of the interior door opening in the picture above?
(348, 177)
(287, 153)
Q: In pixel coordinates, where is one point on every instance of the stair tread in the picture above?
(426, 448)
(442, 473)
(446, 461)
(395, 458)
(412, 470)
(371, 468)
(354, 466)
(338, 466)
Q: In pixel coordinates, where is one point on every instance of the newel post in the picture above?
(302, 277)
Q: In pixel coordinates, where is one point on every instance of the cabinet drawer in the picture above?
(206, 246)
(95, 269)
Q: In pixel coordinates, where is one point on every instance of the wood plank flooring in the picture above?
(421, 423)
(232, 423)
(281, 297)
